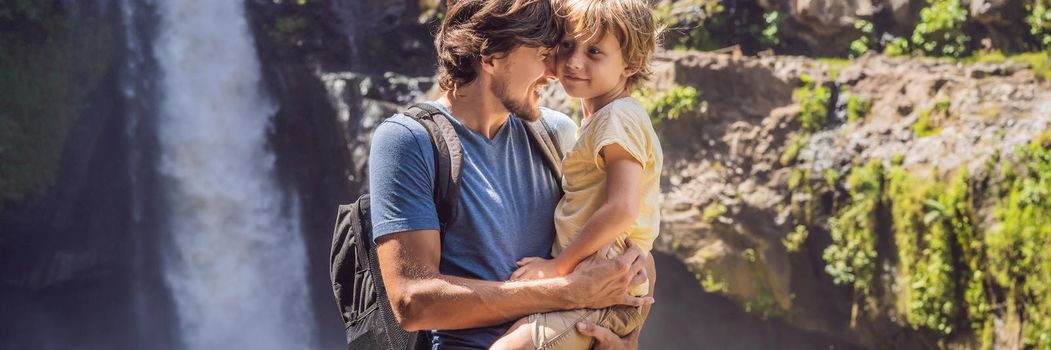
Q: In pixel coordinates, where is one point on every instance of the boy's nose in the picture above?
(573, 61)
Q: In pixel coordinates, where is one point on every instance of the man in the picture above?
(492, 64)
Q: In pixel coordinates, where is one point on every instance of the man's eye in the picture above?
(567, 44)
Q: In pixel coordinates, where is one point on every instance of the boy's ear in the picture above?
(631, 69)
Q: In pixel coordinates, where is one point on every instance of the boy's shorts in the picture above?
(558, 330)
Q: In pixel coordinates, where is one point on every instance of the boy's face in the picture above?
(589, 70)
(519, 76)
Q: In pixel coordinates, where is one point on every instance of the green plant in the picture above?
(670, 104)
(813, 99)
(794, 240)
(1039, 20)
(694, 22)
(862, 44)
(851, 258)
(1019, 247)
(769, 37)
(897, 47)
(940, 30)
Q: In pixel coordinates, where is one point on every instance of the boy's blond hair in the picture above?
(630, 20)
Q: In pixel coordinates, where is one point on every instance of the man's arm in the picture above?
(422, 298)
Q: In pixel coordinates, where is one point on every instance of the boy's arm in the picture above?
(617, 213)
(423, 298)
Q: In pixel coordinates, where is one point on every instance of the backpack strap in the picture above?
(448, 155)
(541, 136)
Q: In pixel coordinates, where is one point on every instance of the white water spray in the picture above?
(237, 268)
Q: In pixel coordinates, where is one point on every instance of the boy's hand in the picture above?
(534, 268)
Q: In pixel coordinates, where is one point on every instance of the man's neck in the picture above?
(476, 108)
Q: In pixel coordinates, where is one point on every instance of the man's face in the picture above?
(518, 78)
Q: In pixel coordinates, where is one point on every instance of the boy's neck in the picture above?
(476, 108)
(595, 103)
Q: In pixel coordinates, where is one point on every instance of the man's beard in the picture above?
(520, 108)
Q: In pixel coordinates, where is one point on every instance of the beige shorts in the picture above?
(558, 330)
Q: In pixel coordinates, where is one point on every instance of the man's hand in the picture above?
(606, 339)
(598, 282)
(534, 268)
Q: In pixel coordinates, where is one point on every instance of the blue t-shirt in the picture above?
(506, 208)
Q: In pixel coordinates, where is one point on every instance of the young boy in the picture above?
(611, 175)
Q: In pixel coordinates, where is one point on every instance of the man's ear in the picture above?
(487, 64)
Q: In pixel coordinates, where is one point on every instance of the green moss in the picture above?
(712, 285)
(795, 144)
(1039, 61)
(857, 108)
(928, 119)
(287, 30)
(813, 100)
(834, 65)
(35, 97)
(713, 211)
(763, 303)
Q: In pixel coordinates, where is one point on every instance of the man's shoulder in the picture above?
(400, 128)
(399, 136)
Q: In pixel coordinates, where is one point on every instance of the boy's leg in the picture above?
(550, 331)
(517, 337)
(621, 319)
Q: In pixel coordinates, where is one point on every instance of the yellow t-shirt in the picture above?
(623, 122)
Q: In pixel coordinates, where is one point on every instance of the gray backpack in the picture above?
(353, 265)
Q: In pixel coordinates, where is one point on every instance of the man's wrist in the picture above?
(564, 290)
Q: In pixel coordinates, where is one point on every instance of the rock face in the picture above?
(74, 274)
(336, 74)
(728, 207)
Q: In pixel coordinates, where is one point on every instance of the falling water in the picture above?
(237, 266)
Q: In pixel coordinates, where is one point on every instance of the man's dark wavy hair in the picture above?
(474, 28)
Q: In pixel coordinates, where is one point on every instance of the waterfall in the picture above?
(236, 266)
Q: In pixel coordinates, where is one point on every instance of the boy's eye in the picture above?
(567, 44)
(594, 51)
